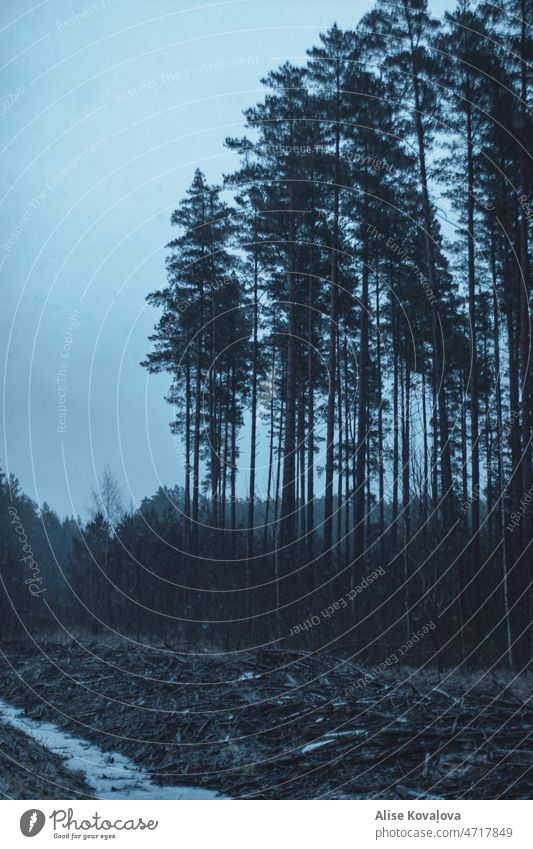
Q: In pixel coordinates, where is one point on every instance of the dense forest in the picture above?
(353, 304)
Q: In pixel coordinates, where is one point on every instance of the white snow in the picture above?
(311, 746)
(330, 736)
(112, 775)
(354, 732)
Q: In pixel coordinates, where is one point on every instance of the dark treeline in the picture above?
(354, 302)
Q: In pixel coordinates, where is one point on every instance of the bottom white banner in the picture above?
(267, 824)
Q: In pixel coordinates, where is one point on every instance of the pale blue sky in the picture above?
(107, 108)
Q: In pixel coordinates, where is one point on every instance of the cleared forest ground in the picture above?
(272, 724)
(30, 771)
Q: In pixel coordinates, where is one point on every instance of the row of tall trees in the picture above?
(370, 259)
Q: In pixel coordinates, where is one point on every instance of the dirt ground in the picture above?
(270, 724)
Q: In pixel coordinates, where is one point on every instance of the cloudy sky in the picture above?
(107, 108)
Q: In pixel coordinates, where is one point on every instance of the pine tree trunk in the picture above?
(233, 466)
(517, 564)
(277, 533)
(464, 443)
(279, 452)
(253, 428)
(381, 484)
(301, 448)
(346, 456)
(332, 370)
(310, 426)
(426, 455)
(438, 364)
(474, 553)
(270, 453)
(499, 431)
(362, 411)
(197, 415)
(212, 405)
(523, 648)
(227, 417)
(339, 453)
(395, 447)
(406, 495)
(287, 523)
(187, 492)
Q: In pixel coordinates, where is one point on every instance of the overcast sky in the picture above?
(107, 108)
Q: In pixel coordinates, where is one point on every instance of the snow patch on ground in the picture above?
(330, 736)
(112, 775)
(312, 746)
